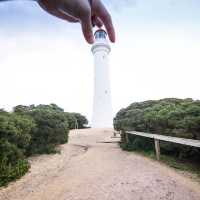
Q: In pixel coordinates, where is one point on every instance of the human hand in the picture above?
(87, 12)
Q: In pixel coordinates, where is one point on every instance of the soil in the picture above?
(93, 167)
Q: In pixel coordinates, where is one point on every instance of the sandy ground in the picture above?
(88, 169)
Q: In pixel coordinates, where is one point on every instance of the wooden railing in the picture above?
(157, 138)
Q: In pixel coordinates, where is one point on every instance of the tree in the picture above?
(32, 130)
(81, 120)
(171, 116)
(51, 129)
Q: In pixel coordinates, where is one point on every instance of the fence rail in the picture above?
(157, 138)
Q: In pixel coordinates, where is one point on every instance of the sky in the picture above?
(46, 60)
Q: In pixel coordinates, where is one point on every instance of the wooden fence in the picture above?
(157, 138)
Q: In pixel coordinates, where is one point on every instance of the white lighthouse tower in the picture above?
(102, 107)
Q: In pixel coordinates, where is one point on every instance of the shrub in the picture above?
(31, 130)
(76, 120)
(51, 129)
(173, 117)
(14, 139)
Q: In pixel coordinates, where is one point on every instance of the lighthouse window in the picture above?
(100, 34)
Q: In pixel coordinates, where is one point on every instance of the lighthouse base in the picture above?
(101, 123)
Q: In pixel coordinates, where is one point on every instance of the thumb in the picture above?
(86, 24)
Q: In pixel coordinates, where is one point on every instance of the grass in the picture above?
(181, 165)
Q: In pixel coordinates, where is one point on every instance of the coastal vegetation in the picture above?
(171, 117)
(31, 130)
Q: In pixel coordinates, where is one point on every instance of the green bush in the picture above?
(51, 127)
(31, 130)
(13, 164)
(10, 172)
(14, 139)
(172, 117)
(76, 120)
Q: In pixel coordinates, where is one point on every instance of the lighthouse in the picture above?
(102, 106)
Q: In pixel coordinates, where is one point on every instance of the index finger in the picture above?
(104, 15)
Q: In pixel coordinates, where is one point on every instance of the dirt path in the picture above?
(89, 170)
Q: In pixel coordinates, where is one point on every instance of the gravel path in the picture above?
(88, 169)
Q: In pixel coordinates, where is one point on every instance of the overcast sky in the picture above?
(46, 60)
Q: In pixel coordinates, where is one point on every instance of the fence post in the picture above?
(127, 138)
(123, 136)
(157, 148)
(115, 134)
